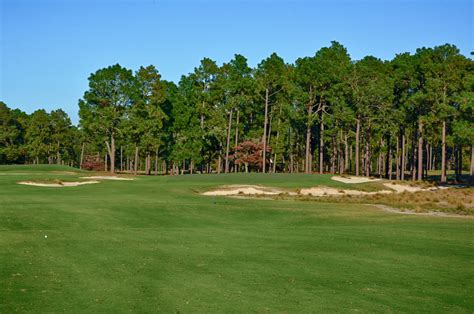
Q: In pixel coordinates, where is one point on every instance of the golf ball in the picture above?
(45, 236)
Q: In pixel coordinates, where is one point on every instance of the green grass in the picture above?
(154, 245)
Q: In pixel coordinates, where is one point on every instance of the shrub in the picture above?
(91, 162)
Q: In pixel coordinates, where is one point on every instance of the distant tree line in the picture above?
(325, 113)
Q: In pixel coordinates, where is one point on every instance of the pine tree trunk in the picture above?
(274, 162)
(112, 153)
(149, 163)
(105, 163)
(82, 156)
(413, 156)
(420, 150)
(121, 158)
(456, 162)
(292, 162)
(380, 159)
(346, 154)
(390, 162)
(135, 163)
(58, 155)
(427, 163)
(403, 166)
(228, 143)
(429, 152)
(275, 155)
(269, 133)
(357, 156)
(321, 145)
(472, 161)
(156, 162)
(443, 154)
(367, 157)
(351, 160)
(340, 153)
(308, 141)
(334, 155)
(388, 159)
(264, 140)
(236, 167)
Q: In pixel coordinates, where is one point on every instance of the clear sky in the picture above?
(48, 48)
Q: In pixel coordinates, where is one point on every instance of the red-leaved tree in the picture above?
(250, 154)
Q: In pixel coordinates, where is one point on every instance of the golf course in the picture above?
(157, 244)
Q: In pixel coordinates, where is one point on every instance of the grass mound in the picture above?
(35, 168)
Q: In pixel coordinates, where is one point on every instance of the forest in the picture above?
(324, 113)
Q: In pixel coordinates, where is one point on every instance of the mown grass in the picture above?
(154, 245)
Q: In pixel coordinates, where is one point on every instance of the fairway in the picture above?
(155, 244)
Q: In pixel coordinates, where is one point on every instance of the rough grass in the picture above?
(154, 245)
(457, 200)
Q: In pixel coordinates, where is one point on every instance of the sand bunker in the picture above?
(57, 185)
(354, 179)
(244, 190)
(400, 188)
(235, 190)
(326, 191)
(107, 178)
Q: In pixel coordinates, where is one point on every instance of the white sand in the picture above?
(354, 179)
(107, 178)
(233, 190)
(326, 191)
(400, 188)
(57, 185)
(243, 190)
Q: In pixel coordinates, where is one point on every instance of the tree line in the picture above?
(324, 113)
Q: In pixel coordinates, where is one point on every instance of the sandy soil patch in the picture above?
(244, 190)
(107, 178)
(354, 179)
(57, 185)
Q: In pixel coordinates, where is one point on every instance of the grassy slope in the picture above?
(153, 244)
(38, 168)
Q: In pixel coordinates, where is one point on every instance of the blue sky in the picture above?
(48, 48)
